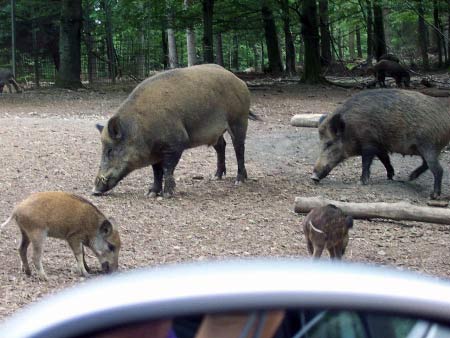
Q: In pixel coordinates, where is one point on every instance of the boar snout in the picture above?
(103, 184)
(320, 172)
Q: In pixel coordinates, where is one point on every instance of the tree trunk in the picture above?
(401, 211)
(325, 36)
(448, 34)
(190, 39)
(310, 34)
(172, 44)
(387, 31)
(437, 32)
(358, 42)
(351, 43)
(255, 57)
(339, 45)
(89, 42)
(70, 45)
(208, 12)
(219, 49)
(378, 30)
(34, 29)
(288, 40)
(270, 32)
(422, 35)
(369, 32)
(262, 57)
(109, 40)
(235, 55)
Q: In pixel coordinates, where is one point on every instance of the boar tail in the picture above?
(314, 228)
(252, 116)
(6, 222)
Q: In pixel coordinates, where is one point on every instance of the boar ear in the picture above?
(337, 125)
(349, 222)
(99, 127)
(106, 228)
(114, 128)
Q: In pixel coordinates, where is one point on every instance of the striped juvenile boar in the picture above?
(171, 112)
(70, 217)
(327, 228)
(382, 121)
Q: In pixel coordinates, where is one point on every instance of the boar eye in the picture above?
(328, 144)
(109, 153)
(111, 247)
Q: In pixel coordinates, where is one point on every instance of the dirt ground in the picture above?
(48, 141)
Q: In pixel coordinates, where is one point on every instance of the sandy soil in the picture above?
(49, 142)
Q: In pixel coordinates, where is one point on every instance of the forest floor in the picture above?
(49, 142)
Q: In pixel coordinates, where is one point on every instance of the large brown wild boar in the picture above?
(7, 78)
(70, 217)
(382, 121)
(327, 227)
(171, 112)
(390, 68)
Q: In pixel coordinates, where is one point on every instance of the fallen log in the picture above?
(400, 211)
(306, 120)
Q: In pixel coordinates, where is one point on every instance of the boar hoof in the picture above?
(237, 183)
(364, 181)
(167, 195)
(434, 196)
(151, 194)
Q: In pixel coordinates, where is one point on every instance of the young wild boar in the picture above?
(390, 68)
(7, 78)
(382, 121)
(327, 227)
(171, 112)
(70, 217)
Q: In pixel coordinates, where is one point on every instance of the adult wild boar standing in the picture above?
(171, 112)
(382, 121)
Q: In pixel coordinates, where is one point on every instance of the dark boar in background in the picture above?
(390, 68)
(327, 228)
(7, 78)
(382, 121)
(171, 112)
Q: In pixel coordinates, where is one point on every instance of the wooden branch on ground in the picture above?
(306, 120)
(401, 211)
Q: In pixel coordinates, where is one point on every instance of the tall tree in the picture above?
(106, 5)
(351, 43)
(288, 40)
(219, 49)
(235, 55)
(270, 32)
(190, 39)
(369, 31)
(422, 34)
(70, 45)
(378, 29)
(325, 37)
(310, 34)
(358, 42)
(208, 12)
(437, 32)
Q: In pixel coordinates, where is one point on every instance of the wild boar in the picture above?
(7, 78)
(390, 57)
(168, 113)
(70, 217)
(390, 68)
(382, 121)
(327, 227)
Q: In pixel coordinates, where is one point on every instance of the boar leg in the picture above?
(431, 157)
(384, 158)
(23, 253)
(170, 161)
(156, 187)
(318, 249)
(419, 170)
(38, 242)
(77, 248)
(16, 86)
(84, 260)
(238, 133)
(367, 157)
(335, 252)
(1, 87)
(220, 150)
(310, 246)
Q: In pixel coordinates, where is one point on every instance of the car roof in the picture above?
(184, 289)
